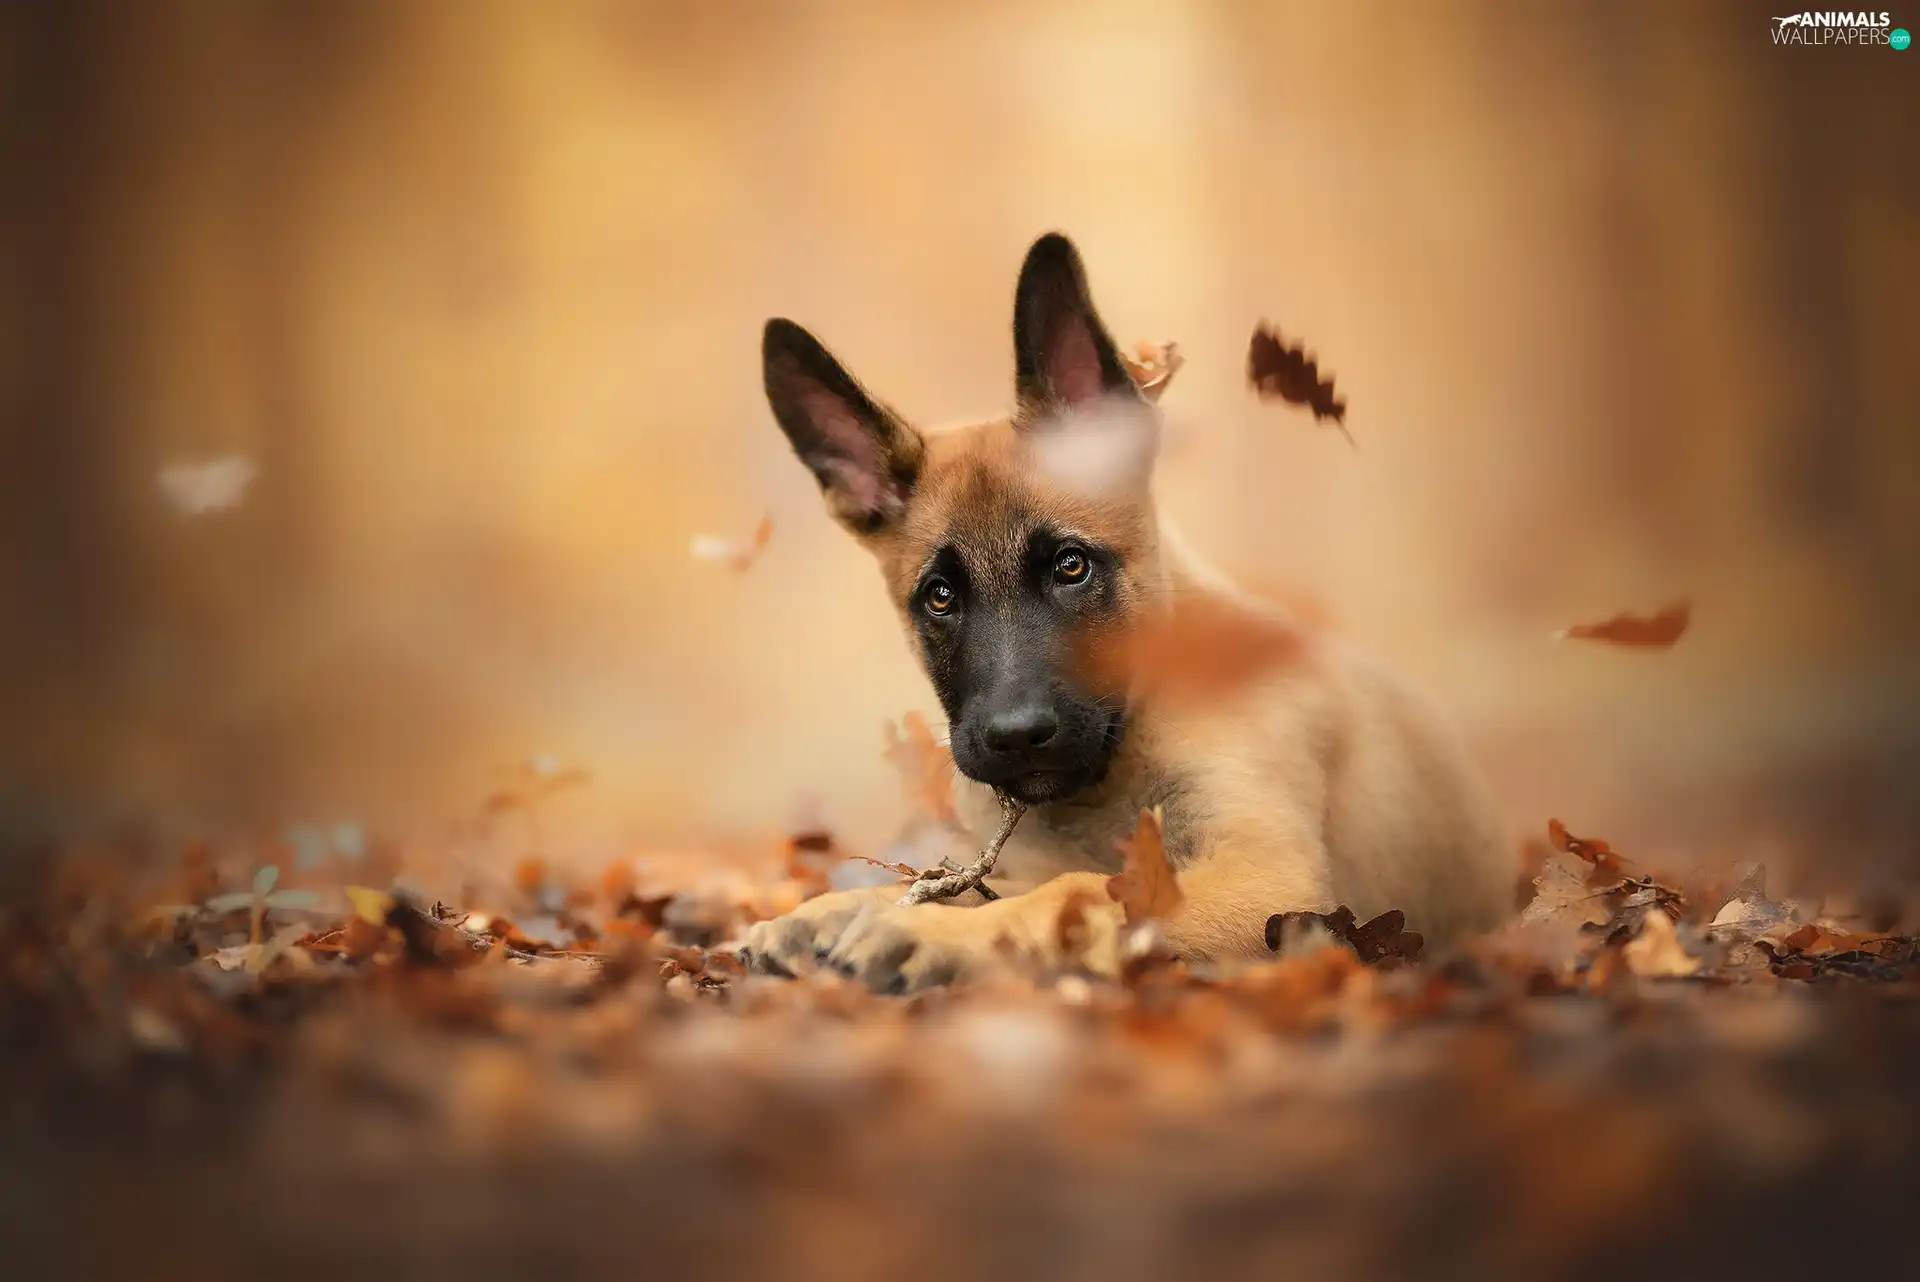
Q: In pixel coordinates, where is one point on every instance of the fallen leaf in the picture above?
(1604, 861)
(904, 870)
(370, 905)
(1145, 887)
(924, 765)
(1561, 893)
(617, 881)
(1153, 366)
(1656, 953)
(529, 875)
(1657, 631)
(1750, 916)
(1276, 368)
(736, 555)
(1372, 941)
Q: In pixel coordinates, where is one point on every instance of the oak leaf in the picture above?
(1145, 887)
(1656, 631)
(1277, 368)
(924, 764)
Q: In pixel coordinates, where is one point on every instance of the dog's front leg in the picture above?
(894, 949)
(1235, 883)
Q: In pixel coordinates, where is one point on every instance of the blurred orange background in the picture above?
(1622, 297)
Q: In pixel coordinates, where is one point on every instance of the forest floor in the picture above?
(242, 1067)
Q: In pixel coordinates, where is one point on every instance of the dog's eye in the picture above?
(1071, 566)
(939, 597)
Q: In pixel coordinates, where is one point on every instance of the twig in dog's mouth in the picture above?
(936, 884)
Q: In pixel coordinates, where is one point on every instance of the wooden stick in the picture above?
(934, 885)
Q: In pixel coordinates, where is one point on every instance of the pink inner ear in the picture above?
(1073, 365)
(855, 455)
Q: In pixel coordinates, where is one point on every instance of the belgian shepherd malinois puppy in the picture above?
(1024, 554)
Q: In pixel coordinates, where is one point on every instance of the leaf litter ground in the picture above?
(283, 1069)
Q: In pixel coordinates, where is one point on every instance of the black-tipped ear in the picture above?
(1063, 356)
(865, 456)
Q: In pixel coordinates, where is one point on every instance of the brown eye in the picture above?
(1071, 566)
(939, 597)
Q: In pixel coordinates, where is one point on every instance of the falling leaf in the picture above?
(1655, 953)
(1145, 887)
(1153, 366)
(265, 880)
(1201, 651)
(733, 553)
(1276, 368)
(1656, 631)
(925, 765)
(200, 489)
(1604, 861)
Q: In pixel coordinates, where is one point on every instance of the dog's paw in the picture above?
(903, 950)
(797, 942)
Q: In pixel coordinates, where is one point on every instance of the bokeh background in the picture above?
(1622, 297)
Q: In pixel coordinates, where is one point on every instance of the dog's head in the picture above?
(1013, 548)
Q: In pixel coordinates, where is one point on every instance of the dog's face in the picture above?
(1014, 550)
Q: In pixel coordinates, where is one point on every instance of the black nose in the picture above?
(1019, 729)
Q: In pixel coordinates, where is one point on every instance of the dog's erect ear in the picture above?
(1063, 356)
(865, 456)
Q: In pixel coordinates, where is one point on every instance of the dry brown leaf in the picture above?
(1145, 887)
(617, 881)
(925, 765)
(529, 875)
(903, 869)
(370, 905)
(1656, 953)
(1561, 894)
(1603, 860)
(1656, 631)
(1276, 368)
(1153, 366)
(733, 553)
(1200, 651)
(1374, 940)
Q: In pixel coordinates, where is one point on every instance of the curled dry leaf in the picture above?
(736, 555)
(1153, 366)
(1656, 952)
(925, 765)
(1145, 887)
(1656, 631)
(1287, 371)
(1561, 894)
(1373, 940)
(370, 905)
(1605, 862)
(904, 870)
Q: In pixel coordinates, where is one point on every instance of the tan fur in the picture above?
(1320, 780)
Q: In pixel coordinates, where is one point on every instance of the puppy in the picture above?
(1091, 667)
